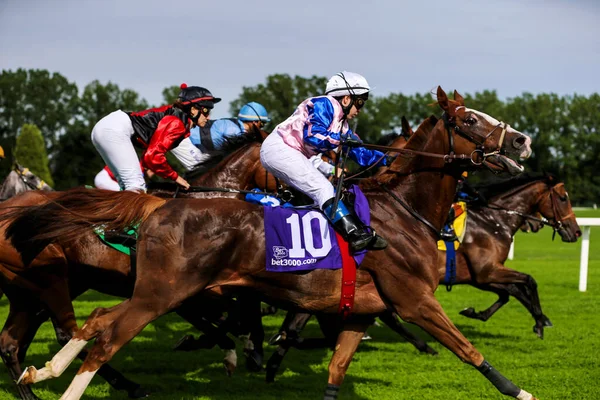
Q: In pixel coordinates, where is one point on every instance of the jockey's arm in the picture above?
(189, 155)
(316, 133)
(324, 167)
(169, 132)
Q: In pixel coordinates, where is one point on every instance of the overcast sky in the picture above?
(511, 46)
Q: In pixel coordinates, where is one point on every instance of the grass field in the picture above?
(565, 365)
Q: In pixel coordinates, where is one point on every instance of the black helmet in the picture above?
(197, 96)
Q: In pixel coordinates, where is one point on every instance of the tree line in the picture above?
(565, 129)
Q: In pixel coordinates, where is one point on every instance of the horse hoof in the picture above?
(429, 350)
(366, 336)
(539, 331)
(27, 376)
(271, 372)
(469, 312)
(547, 322)
(254, 361)
(139, 393)
(186, 343)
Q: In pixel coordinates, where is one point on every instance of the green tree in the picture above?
(30, 152)
(38, 97)
(170, 94)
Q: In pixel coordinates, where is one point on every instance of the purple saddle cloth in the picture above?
(300, 239)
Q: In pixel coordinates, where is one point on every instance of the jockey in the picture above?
(320, 124)
(157, 130)
(211, 135)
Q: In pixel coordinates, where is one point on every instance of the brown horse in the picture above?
(61, 274)
(217, 246)
(479, 260)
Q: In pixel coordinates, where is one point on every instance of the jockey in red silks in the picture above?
(320, 124)
(156, 130)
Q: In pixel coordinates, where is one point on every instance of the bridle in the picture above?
(23, 175)
(558, 219)
(450, 125)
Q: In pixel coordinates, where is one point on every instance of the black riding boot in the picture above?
(358, 235)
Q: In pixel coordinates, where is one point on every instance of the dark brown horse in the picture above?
(217, 246)
(60, 274)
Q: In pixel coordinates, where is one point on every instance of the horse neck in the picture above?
(524, 200)
(236, 171)
(427, 184)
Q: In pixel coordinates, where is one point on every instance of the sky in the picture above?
(511, 46)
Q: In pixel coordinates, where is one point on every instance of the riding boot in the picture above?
(352, 229)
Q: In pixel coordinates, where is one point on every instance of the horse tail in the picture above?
(73, 213)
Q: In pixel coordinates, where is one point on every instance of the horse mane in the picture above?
(31, 229)
(500, 186)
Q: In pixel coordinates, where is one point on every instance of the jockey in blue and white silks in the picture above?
(213, 135)
(320, 124)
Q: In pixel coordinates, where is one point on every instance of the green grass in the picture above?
(565, 365)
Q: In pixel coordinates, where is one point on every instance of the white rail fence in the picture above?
(586, 225)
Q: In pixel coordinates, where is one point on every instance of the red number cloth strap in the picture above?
(348, 278)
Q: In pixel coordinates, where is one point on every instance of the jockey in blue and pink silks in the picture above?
(320, 124)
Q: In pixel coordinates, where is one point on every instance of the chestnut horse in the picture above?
(217, 246)
(479, 259)
(60, 274)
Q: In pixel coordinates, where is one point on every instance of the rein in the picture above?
(411, 211)
(556, 225)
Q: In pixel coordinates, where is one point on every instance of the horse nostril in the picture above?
(519, 142)
(578, 234)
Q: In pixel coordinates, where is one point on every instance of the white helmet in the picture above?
(347, 83)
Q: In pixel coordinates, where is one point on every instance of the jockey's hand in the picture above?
(149, 173)
(182, 182)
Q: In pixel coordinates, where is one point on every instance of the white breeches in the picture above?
(189, 155)
(104, 181)
(292, 167)
(112, 138)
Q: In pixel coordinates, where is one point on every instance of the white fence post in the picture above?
(583, 263)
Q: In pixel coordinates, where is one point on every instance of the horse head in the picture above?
(32, 181)
(488, 141)
(555, 206)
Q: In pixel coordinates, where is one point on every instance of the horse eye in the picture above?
(470, 121)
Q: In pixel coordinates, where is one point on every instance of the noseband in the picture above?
(480, 150)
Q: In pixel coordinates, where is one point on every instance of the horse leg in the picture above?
(65, 356)
(391, 320)
(251, 322)
(212, 336)
(18, 332)
(484, 315)
(527, 295)
(347, 343)
(292, 325)
(414, 300)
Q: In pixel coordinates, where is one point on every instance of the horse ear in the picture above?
(406, 129)
(459, 99)
(442, 99)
